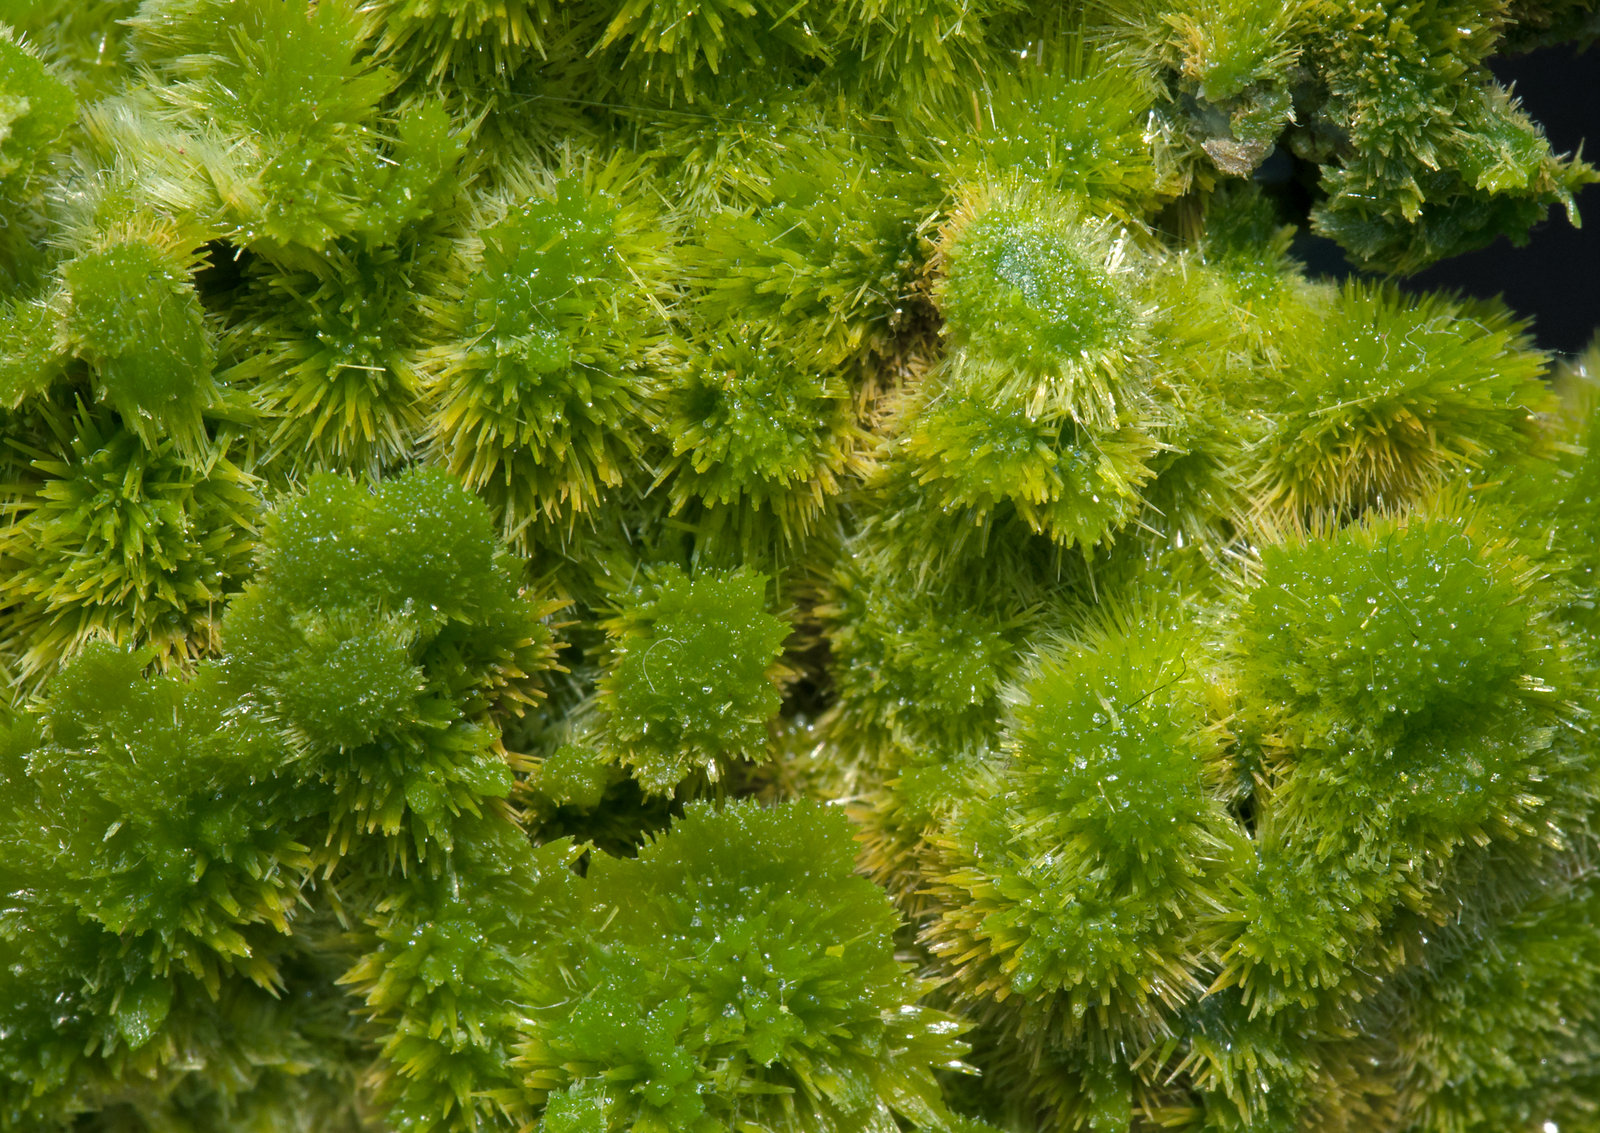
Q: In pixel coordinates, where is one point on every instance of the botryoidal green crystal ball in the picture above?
(738, 566)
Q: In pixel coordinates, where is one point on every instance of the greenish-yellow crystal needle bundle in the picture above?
(738, 566)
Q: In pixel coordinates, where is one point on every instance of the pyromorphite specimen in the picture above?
(787, 566)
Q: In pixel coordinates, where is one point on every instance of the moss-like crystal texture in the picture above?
(692, 683)
(788, 566)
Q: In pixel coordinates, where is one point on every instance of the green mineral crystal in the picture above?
(738, 566)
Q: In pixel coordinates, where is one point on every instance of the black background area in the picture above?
(1555, 277)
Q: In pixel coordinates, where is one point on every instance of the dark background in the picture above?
(1555, 278)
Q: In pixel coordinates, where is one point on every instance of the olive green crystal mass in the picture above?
(788, 566)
